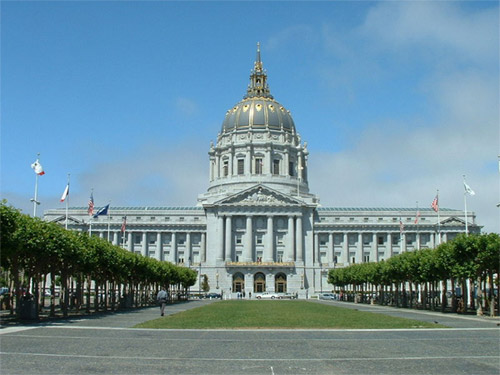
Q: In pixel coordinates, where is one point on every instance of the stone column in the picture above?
(101, 234)
(345, 249)
(247, 256)
(402, 246)
(445, 237)
(317, 254)
(359, 251)
(130, 242)
(331, 249)
(388, 253)
(230, 164)
(217, 165)
(374, 248)
(229, 239)
(203, 247)
(433, 242)
(144, 247)
(299, 231)
(173, 248)
(159, 250)
(220, 249)
(289, 248)
(269, 249)
(188, 256)
(116, 238)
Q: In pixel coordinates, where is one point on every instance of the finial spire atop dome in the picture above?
(258, 80)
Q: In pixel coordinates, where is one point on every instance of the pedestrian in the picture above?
(162, 300)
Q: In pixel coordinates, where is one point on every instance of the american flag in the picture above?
(417, 217)
(124, 224)
(91, 204)
(435, 204)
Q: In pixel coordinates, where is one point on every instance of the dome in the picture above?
(258, 109)
(258, 113)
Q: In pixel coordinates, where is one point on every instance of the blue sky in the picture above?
(395, 99)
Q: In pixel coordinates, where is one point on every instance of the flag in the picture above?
(91, 204)
(102, 211)
(37, 167)
(65, 194)
(124, 224)
(435, 204)
(468, 190)
(417, 217)
(401, 226)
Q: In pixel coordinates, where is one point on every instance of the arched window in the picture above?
(280, 283)
(259, 282)
(238, 282)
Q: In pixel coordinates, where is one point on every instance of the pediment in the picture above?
(259, 196)
(62, 219)
(453, 221)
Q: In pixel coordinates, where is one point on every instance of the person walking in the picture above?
(162, 300)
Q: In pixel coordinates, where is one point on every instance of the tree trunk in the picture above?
(444, 297)
(491, 294)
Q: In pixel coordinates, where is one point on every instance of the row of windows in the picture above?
(367, 219)
(367, 239)
(258, 167)
(140, 218)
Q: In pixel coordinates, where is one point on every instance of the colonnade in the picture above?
(393, 243)
(290, 244)
(159, 248)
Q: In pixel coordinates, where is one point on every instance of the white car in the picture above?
(326, 296)
(267, 295)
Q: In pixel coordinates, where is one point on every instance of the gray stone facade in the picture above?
(258, 228)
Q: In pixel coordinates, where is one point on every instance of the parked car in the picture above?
(287, 295)
(329, 296)
(267, 295)
(213, 295)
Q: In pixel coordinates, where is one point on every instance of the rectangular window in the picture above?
(323, 240)
(395, 239)
(225, 168)
(380, 240)
(276, 167)
(181, 219)
(366, 258)
(137, 239)
(291, 169)
(153, 218)
(238, 239)
(259, 239)
(279, 239)
(241, 166)
(258, 166)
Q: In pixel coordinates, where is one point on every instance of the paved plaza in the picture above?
(107, 344)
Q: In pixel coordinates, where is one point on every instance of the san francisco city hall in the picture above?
(258, 227)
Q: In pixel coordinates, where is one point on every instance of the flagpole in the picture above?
(439, 221)
(35, 200)
(109, 220)
(465, 209)
(67, 203)
(418, 237)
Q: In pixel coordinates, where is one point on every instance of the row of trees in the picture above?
(34, 251)
(469, 265)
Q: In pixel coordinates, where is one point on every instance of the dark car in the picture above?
(213, 295)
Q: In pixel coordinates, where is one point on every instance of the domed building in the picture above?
(257, 228)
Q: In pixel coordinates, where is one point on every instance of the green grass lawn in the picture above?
(278, 314)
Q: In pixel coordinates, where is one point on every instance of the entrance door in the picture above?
(238, 282)
(259, 283)
(280, 283)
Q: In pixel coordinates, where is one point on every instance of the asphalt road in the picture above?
(107, 345)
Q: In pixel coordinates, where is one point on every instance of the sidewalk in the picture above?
(119, 319)
(451, 320)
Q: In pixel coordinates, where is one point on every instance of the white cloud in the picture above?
(404, 158)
